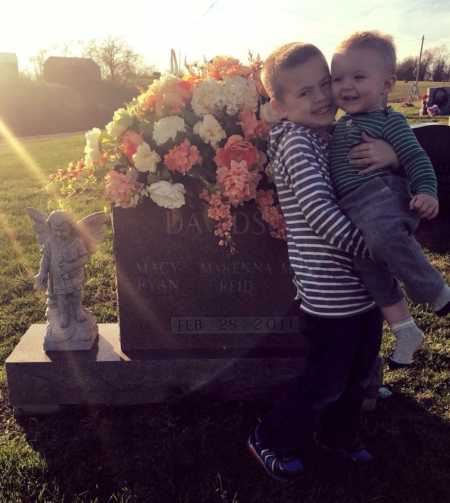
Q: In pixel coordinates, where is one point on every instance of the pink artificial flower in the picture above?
(271, 213)
(171, 98)
(238, 182)
(182, 157)
(251, 126)
(121, 188)
(130, 143)
(220, 212)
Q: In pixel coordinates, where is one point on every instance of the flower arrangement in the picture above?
(197, 138)
(433, 110)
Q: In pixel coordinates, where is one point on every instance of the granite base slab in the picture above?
(39, 380)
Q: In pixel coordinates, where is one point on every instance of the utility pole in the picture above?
(414, 92)
(420, 60)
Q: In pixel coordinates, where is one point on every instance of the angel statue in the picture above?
(66, 246)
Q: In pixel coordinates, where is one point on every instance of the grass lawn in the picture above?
(191, 451)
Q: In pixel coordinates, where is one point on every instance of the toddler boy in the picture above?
(385, 207)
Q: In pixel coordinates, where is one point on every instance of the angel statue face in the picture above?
(60, 225)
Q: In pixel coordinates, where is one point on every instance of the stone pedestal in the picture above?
(76, 337)
(40, 381)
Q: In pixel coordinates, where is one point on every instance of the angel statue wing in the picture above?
(40, 225)
(92, 229)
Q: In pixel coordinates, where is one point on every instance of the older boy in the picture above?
(384, 207)
(339, 319)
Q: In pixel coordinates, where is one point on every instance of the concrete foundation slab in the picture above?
(105, 375)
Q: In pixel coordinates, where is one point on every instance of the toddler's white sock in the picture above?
(441, 305)
(409, 338)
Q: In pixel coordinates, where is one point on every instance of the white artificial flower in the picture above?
(91, 156)
(145, 159)
(92, 152)
(239, 94)
(210, 130)
(207, 97)
(167, 195)
(122, 120)
(93, 136)
(167, 128)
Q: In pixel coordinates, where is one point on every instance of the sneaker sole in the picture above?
(397, 365)
(255, 455)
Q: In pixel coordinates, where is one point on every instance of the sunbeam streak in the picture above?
(15, 245)
(22, 154)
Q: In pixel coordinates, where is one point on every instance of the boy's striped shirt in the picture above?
(392, 127)
(321, 239)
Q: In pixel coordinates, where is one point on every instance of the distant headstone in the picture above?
(439, 97)
(179, 291)
(435, 140)
(9, 68)
(71, 72)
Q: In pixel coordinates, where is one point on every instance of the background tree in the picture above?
(406, 69)
(440, 70)
(426, 64)
(118, 62)
(37, 62)
(435, 66)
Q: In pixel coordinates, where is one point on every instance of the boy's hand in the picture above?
(426, 206)
(372, 154)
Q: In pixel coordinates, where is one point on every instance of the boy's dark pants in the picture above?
(327, 398)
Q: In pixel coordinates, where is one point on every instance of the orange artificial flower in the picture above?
(237, 149)
(221, 67)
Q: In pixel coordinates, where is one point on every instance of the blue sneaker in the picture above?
(360, 455)
(282, 467)
(355, 452)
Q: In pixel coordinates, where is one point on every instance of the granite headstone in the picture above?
(179, 291)
(435, 140)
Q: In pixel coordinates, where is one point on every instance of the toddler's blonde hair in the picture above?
(381, 43)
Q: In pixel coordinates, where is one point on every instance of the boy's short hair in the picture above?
(379, 42)
(285, 57)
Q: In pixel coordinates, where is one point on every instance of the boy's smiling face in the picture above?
(361, 80)
(307, 94)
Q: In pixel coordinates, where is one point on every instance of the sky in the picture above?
(205, 28)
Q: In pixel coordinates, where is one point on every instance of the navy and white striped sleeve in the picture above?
(316, 201)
